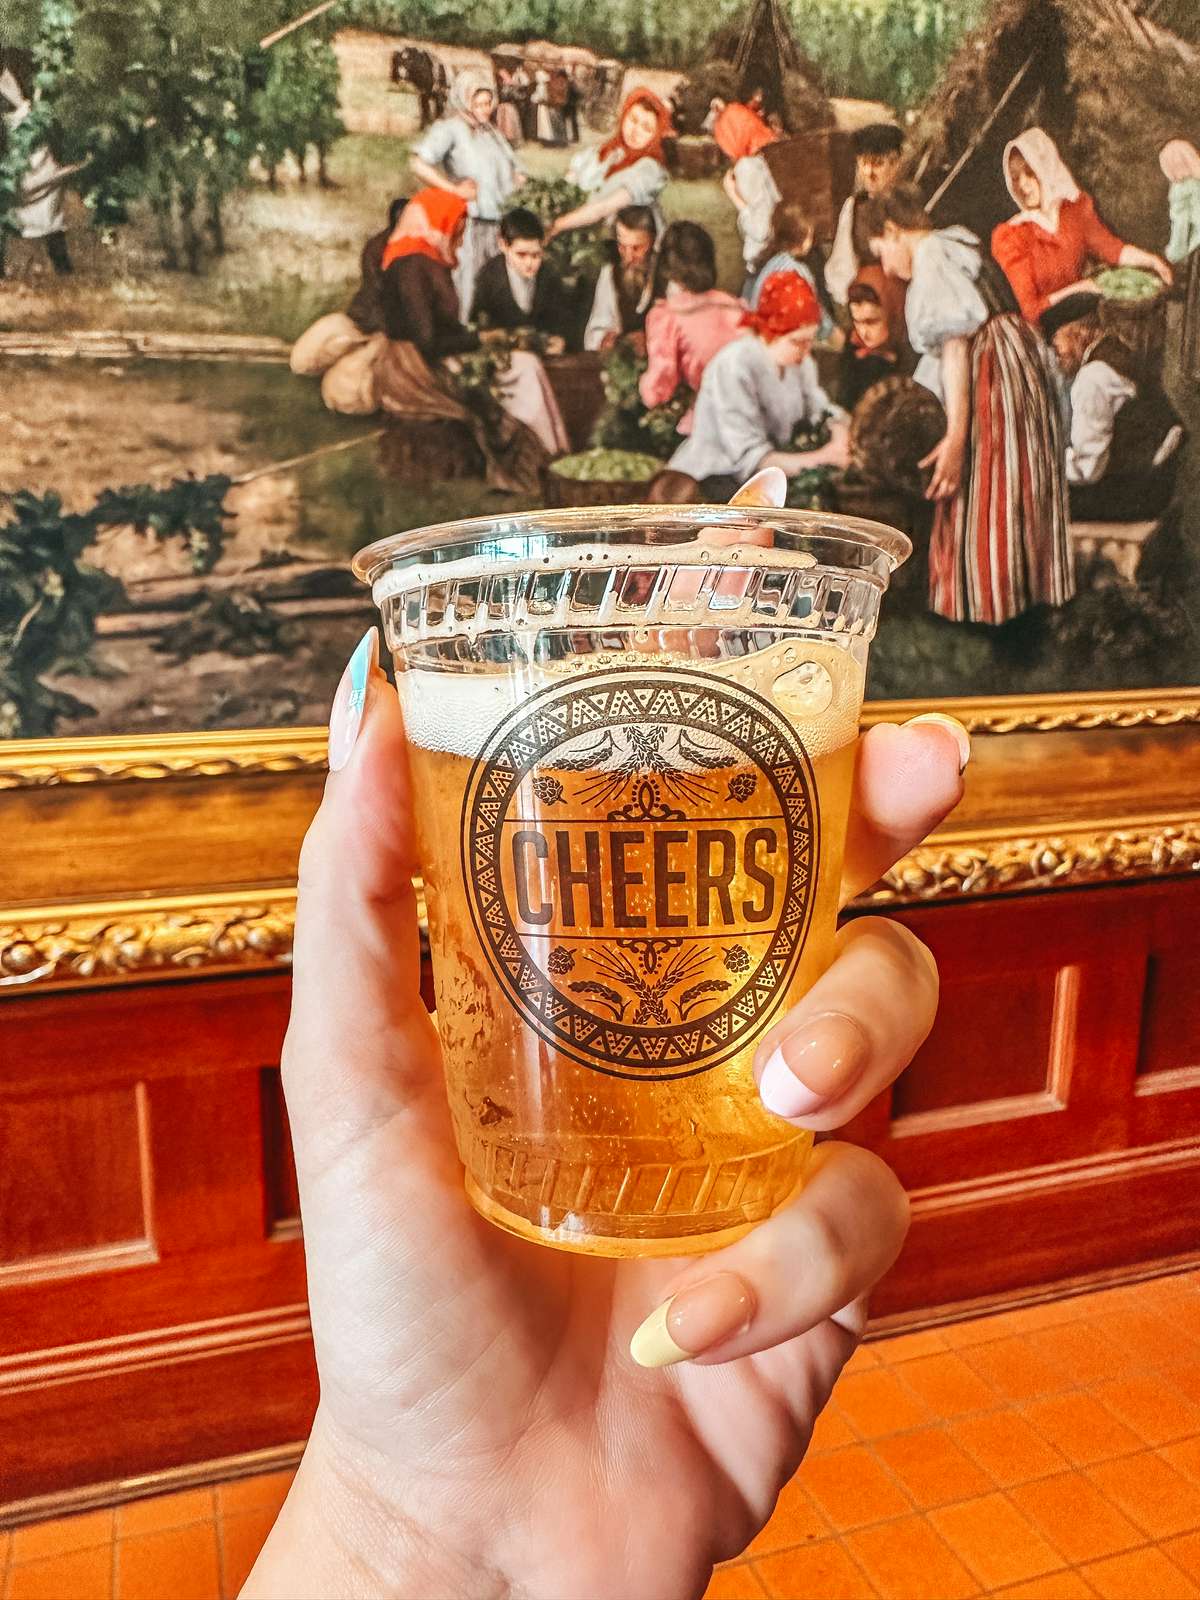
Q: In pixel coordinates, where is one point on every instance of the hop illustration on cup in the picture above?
(632, 733)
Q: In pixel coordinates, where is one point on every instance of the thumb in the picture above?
(360, 1046)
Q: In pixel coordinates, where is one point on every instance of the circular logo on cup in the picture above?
(639, 854)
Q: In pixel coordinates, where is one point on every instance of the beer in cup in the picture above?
(632, 736)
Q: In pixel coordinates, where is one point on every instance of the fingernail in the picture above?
(693, 1321)
(951, 725)
(766, 488)
(350, 700)
(813, 1066)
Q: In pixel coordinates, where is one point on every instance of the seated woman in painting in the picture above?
(415, 373)
(628, 169)
(792, 247)
(692, 320)
(1047, 248)
(757, 391)
(742, 136)
(341, 347)
(1125, 435)
(999, 543)
(877, 347)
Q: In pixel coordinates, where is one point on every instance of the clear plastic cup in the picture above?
(632, 736)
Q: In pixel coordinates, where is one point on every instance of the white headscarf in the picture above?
(1051, 171)
(1179, 161)
(466, 86)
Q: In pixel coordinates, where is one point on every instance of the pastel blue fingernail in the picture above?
(350, 701)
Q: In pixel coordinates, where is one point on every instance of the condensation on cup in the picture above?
(632, 735)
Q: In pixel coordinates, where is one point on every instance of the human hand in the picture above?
(946, 460)
(1157, 265)
(482, 1427)
(608, 341)
(837, 452)
(555, 344)
(468, 189)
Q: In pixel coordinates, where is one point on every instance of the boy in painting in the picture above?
(877, 152)
(518, 288)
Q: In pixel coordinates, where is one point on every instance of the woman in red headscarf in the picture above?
(759, 389)
(628, 169)
(742, 136)
(415, 373)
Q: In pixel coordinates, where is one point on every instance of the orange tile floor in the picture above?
(1043, 1454)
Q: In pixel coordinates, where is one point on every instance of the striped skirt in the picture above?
(1001, 544)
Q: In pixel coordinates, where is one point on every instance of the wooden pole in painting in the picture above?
(298, 22)
(988, 125)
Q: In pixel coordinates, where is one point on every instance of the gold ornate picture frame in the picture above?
(168, 856)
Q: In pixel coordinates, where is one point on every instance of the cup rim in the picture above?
(373, 560)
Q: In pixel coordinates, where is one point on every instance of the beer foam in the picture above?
(454, 712)
(817, 686)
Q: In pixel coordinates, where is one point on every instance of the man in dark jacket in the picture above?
(518, 288)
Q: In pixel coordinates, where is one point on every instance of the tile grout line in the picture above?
(1069, 1469)
(1149, 1543)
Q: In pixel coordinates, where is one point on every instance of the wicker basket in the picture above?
(562, 491)
(1140, 324)
(895, 425)
(695, 158)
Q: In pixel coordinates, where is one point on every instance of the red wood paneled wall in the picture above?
(152, 1297)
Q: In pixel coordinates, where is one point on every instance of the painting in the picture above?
(277, 281)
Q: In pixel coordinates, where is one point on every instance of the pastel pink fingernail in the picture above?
(350, 701)
(953, 727)
(813, 1065)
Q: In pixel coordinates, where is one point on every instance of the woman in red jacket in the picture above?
(1045, 250)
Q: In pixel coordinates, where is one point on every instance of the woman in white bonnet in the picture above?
(1046, 249)
(468, 155)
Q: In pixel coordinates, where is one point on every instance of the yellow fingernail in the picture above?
(703, 1315)
(652, 1345)
(952, 725)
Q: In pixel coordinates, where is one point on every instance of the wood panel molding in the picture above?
(155, 1347)
(166, 1480)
